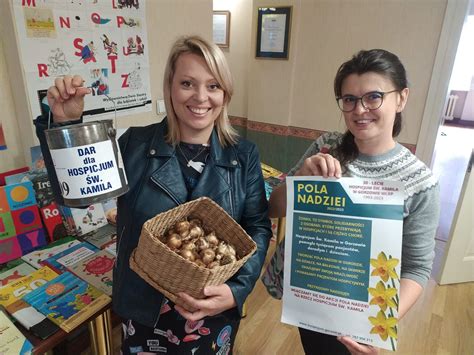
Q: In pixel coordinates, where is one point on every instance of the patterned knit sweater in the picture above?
(421, 207)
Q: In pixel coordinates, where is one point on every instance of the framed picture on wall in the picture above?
(221, 28)
(273, 32)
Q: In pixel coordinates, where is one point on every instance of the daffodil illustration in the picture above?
(382, 296)
(384, 267)
(384, 326)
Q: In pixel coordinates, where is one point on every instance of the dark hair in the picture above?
(377, 61)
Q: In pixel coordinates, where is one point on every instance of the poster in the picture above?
(342, 257)
(103, 41)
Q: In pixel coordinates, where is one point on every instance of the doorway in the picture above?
(454, 142)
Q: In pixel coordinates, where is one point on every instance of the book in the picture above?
(21, 229)
(88, 219)
(102, 237)
(17, 178)
(12, 340)
(97, 270)
(16, 272)
(112, 248)
(58, 221)
(67, 300)
(60, 261)
(15, 246)
(37, 161)
(31, 319)
(17, 289)
(53, 222)
(36, 257)
(3, 175)
(269, 171)
(10, 265)
(110, 209)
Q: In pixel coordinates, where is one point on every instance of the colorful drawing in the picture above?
(99, 83)
(39, 23)
(127, 4)
(87, 53)
(95, 17)
(67, 300)
(109, 46)
(134, 46)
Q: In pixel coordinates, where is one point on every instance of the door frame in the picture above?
(456, 12)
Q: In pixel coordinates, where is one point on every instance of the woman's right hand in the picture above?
(66, 98)
(320, 165)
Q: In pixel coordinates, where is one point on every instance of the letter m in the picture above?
(28, 2)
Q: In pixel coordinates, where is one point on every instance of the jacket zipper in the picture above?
(230, 195)
(159, 313)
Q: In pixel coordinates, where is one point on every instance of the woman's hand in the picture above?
(218, 299)
(356, 348)
(66, 98)
(320, 165)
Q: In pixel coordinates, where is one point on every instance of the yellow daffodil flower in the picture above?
(384, 326)
(382, 296)
(384, 267)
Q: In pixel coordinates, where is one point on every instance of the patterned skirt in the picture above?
(175, 335)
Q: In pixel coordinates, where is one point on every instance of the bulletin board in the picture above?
(103, 41)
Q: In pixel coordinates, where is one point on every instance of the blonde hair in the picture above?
(220, 70)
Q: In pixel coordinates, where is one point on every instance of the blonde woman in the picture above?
(193, 152)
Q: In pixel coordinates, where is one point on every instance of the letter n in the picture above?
(64, 22)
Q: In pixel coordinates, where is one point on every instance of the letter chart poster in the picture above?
(342, 257)
(103, 41)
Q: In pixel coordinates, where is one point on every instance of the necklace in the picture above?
(196, 165)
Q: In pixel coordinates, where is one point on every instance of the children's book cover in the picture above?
(35, 258)
(18, 289)
(12, 341)
(60, 261)
(97, 270)
(88, 219)
(67, 300)
(16, 272)
(102, 237)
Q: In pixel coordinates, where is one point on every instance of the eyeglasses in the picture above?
(370, 101)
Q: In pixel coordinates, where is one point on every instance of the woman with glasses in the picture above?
(371, 90)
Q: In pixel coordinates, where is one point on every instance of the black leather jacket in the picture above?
(232, 178)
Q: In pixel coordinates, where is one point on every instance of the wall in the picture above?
(13, 156)
(277, 96)
(166, 20)
(298, 92)
(238, 53)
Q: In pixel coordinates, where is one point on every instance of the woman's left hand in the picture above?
(218, 299)
(355, 348)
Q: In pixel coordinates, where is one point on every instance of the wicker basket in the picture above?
(167, 271)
